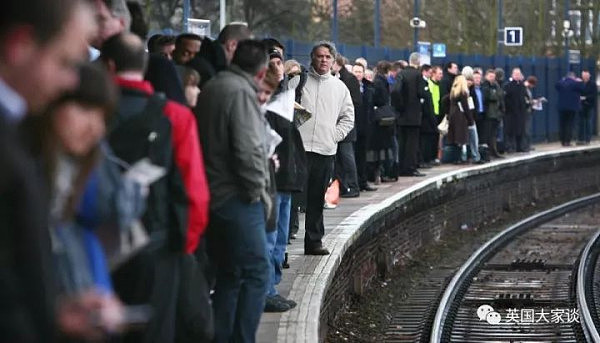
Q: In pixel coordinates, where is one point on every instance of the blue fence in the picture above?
(548, 71)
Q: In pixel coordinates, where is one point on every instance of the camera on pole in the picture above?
(416, 22)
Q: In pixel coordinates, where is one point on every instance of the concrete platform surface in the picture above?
(307, 278)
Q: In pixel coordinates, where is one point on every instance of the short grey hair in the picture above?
(467, 72)
(414, 59)
(324, 43)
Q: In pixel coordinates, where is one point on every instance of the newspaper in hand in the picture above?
(283, 104)
(537, 104)
(301, 114)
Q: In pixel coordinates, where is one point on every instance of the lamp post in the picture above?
(222, 12)
(334, 24)
(186, 15)
(567, 33)
(500, 27)
(416, 27)
(377, 24)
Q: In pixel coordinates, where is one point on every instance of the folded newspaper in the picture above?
(283, 104)
(301, 114)
(537, 104)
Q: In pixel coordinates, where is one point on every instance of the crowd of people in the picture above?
(412, 116)
(150, 185)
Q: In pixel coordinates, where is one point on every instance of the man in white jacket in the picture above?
(329, 101)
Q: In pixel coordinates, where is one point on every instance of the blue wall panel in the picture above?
(547, 70)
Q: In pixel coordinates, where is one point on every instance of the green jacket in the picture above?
(434, 89)
(492, 100)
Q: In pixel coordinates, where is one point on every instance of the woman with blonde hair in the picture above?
(292, 67)
(460, 114)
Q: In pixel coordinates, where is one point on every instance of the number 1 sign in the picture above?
(513, 36)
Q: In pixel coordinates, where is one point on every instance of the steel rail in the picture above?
(463, 276)
(584, 272)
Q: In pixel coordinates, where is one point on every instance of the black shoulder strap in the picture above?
(132, 135)
(300, 87)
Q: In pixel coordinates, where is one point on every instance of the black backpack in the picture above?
(303, 77)
(141, 130)
(145, 133)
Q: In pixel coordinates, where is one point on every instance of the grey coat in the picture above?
(231, 130)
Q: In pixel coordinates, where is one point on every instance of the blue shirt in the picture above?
(479, 99)
(13, 106)
(93, 53)
(391, 80)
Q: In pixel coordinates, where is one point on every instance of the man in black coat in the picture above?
(149, 276)
(362, 125)
(516, 112)
(40, 46)
(492, 104)
(588, 102)
(215, 56)
(345, 163)
(428, 132)
(451, 70)
(407, 98)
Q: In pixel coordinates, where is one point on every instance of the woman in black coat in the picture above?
(383, 131)
(459, 115)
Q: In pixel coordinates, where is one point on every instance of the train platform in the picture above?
(308, 277)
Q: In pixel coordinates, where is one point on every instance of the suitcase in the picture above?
(451, 154)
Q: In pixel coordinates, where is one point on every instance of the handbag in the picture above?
(443, 126)
(332, 195)
(385, 115)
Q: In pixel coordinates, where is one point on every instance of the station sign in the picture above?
(201, 27)
(574, 57)
(439, 50)
(513, 36)
(423, 48)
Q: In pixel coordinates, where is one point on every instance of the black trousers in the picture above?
(514, 143)
(429, 146)
(360, 156)
(320, 170)
(408, 142)
(567, 119)
(480, 123)
(345, 167)
(294, 222)
(526, 141)
(490, 134)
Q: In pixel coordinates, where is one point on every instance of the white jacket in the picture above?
(329, 101)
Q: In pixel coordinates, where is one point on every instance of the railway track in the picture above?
(537, 281)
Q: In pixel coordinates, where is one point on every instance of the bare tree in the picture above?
(465, 26)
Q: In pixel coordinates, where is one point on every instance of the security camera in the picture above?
(417, 22)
